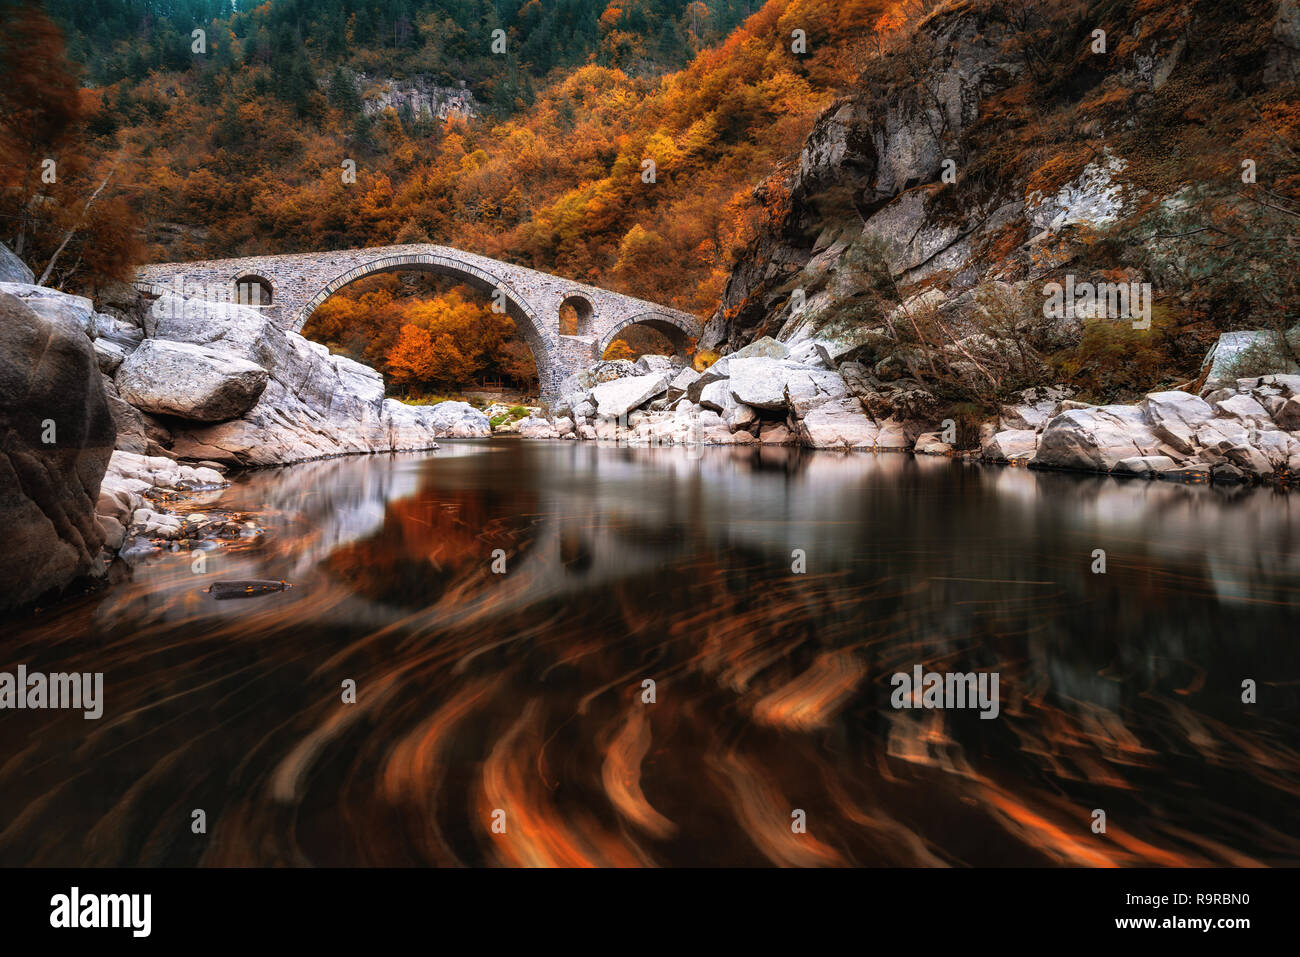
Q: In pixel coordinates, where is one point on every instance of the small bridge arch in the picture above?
(677, 331)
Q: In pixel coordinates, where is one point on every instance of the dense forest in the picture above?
(300, 42)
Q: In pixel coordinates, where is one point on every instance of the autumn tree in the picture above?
(58, 215)
(40, 107)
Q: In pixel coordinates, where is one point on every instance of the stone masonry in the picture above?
(299, 282)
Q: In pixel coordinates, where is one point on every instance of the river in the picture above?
(769, 595)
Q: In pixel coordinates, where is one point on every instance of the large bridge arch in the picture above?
(532, 328)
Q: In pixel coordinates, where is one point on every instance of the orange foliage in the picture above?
(422, 340)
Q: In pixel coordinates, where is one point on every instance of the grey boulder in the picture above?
(456, 420)
(56, 437)
(1095, 439)
(619, 396)
(190, 382)
(1175, 417)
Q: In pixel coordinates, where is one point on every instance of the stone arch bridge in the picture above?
(290, 287)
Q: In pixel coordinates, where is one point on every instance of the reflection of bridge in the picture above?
(293, 285)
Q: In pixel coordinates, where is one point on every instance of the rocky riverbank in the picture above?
(107, 403)
(1242, 430)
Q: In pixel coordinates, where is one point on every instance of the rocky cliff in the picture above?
(991, 147)
(419, 97)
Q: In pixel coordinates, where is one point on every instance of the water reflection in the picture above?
(521, 693)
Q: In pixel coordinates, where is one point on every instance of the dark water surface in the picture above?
(479, 692)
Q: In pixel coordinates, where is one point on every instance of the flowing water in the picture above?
(520, 698)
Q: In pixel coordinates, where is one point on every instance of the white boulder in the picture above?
(188, 381)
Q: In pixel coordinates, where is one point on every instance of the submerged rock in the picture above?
(250, 588)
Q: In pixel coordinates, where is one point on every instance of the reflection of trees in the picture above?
(433, 543)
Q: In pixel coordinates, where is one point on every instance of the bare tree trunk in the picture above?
(73, 231)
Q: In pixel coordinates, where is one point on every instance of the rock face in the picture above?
(1230, 348)
(418, 97)
(869, 206)
(314, 404)
(188, 381)
(57, 437)
(865, 177)
(13, 269)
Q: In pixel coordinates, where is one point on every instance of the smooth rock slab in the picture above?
(620, 396)
(54, 305)
(189, 381)
(1145, 465)
(13, 269)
